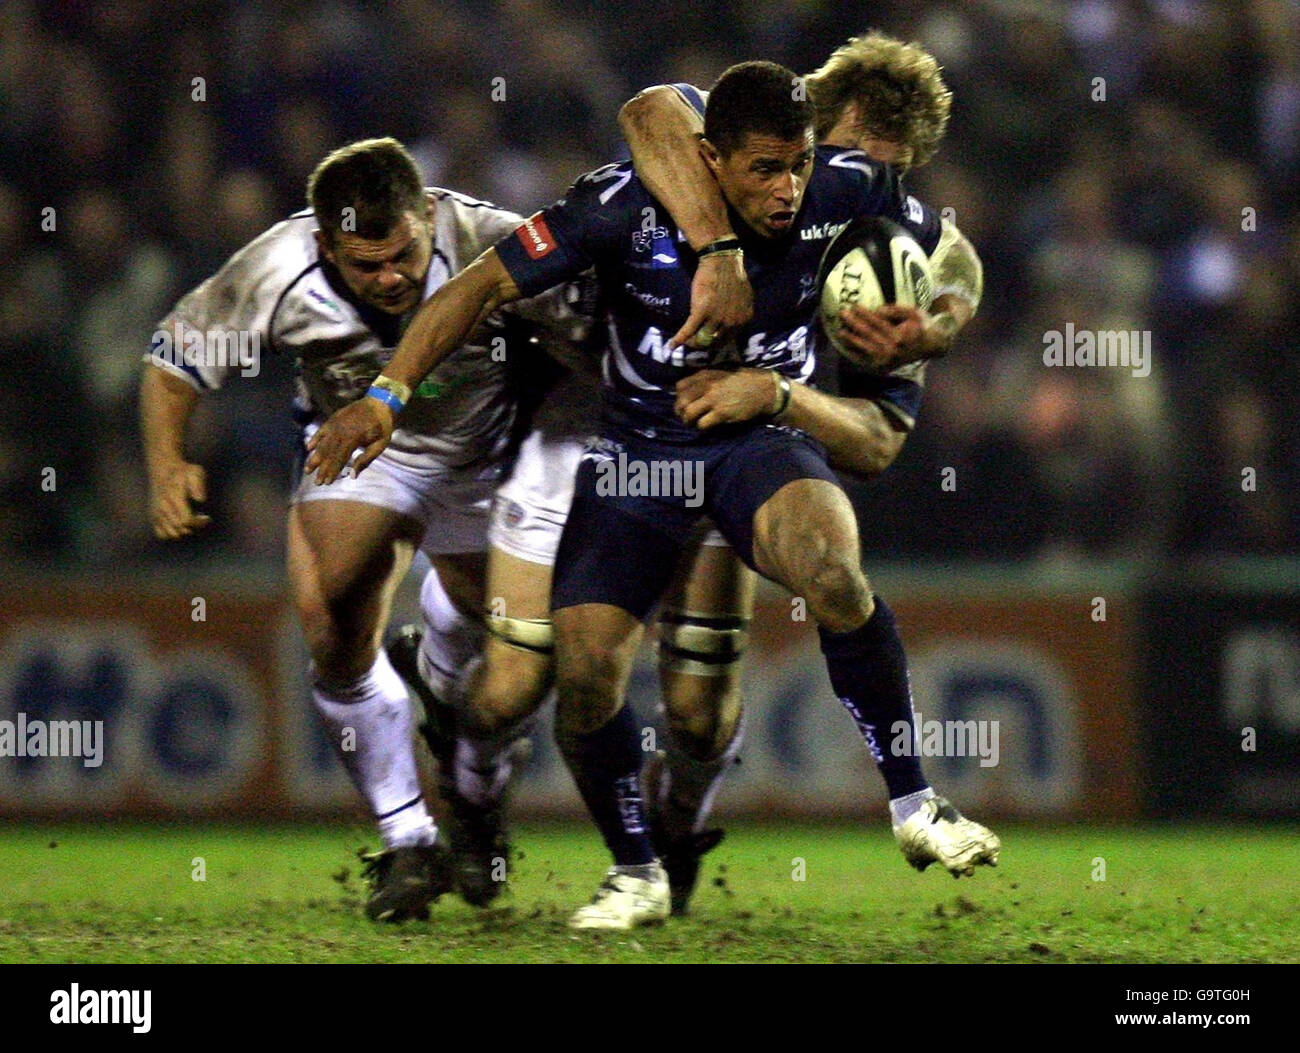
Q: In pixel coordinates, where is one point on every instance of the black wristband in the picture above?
(729, 243)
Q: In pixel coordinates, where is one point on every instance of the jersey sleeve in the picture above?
(877, 191)
(587, 227)
(476, 225)
(206, 337)
(965, 280)
(897, 393)
(692, 96)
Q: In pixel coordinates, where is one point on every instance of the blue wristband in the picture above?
(387, 398)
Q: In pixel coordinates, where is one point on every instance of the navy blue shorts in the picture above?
(636, 502)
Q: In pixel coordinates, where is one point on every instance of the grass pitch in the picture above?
(293, 894)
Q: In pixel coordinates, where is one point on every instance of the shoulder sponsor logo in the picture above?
(818, 231)
(536, 237)
(912, 209)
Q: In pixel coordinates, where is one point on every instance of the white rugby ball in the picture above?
(871, 262)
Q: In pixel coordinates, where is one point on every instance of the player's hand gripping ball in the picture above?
(870, 263)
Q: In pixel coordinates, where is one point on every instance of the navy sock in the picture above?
(868, 671)
(606, 765)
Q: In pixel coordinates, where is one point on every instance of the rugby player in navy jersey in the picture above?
(762, 446)
(887, 98)
(876, 93)
(336, 298)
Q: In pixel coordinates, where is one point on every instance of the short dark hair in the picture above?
(376, 177)
(760, 97)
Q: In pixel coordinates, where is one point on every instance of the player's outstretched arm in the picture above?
(663, 134)
(439, 327)
(166, 404)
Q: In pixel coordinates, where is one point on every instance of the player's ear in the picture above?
(710, 154)
(323, 245)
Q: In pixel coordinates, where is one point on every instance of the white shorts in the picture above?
(452, 504)
(531, 506)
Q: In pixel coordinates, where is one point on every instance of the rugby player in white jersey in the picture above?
(333, 287)
(876, 94)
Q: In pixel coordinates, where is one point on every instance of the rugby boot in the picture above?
(938, 833)
(404, 881)
(624, 902)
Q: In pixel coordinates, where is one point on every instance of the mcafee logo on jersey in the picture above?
(536, 236)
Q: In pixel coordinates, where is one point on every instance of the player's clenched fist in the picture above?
(366, 424)
(171, 489)
(714, 396)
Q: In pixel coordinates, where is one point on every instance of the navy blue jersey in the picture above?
(610, 221)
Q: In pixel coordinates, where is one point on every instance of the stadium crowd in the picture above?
(1122, 165)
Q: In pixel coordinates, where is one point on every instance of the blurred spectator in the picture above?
(1086, 251)
(1236, 484)
(123, 286)
(465, 152)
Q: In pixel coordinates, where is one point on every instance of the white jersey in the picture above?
(277, 294)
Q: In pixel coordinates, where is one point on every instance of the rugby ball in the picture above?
(871, 262)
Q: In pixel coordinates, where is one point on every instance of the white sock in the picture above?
(451, 640)
(901, 809)
(369, 725)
